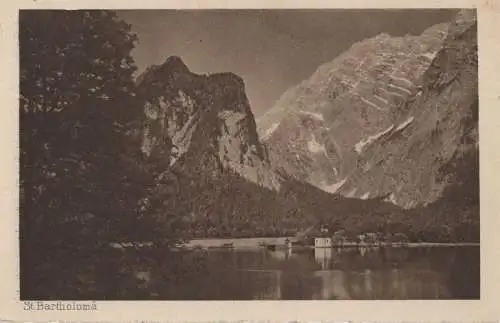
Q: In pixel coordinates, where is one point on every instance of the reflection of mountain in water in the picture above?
(386, 284)
(325, 273)
(391, 278)
(328, 258)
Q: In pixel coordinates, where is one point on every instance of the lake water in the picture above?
(315, 274)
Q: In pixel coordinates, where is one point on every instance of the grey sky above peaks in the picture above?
(271, 50)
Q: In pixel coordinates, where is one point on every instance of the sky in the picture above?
(272, 50)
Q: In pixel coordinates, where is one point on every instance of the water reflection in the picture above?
(282, 254)
(322, 273)
(372, 273)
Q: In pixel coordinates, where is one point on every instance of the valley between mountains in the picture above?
(384, 138)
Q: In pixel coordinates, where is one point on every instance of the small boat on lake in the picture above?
(229, 245)
(273, 247)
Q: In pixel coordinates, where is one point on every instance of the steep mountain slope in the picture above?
(442, 127)
(383, 118)
(204, 123)
(201, 131)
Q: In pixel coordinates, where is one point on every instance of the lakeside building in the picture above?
(323, 242)
(323, 239)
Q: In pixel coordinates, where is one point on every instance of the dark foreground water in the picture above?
(385, 273)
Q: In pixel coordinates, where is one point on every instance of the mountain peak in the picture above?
(464, 19)
(203, 123)
(175, 64)
(367, 125)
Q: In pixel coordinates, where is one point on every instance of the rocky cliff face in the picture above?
(384, 117)
(202, 124)
(201, 133)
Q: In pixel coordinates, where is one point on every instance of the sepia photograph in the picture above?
(249, 154)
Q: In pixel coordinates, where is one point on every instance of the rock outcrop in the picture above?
(203, 124)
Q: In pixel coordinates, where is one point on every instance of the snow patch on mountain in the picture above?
(332, 188)
(392, 93)
(370, 103)
(405, 124)
(370, 139)
(270, 130)
(352, 192)
(410, 83)
(315, 147)
(394, 86)
(315, 115)
(391, 199)
(430, 55)
(378, 97)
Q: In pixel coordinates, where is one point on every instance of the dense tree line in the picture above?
(229, 206)
(83, 180)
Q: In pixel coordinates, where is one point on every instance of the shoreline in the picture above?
(278, 243)
(209, 245)
(347, 246)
